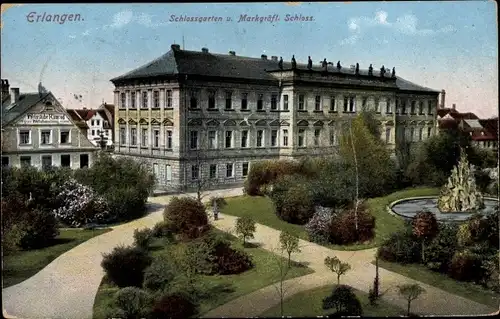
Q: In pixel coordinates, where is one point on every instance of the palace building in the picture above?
(198, 116)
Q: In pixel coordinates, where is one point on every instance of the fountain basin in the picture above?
(409, 207)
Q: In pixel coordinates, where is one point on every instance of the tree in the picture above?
(344, 301)
(290, 244)
(375, 291)
(425, 226)
(337, 266)
(245, 227)
(410, 292)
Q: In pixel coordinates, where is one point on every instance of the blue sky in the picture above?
(442, 45)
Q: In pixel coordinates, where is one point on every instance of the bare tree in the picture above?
(356, 204)
(283, 270)
(410, 292)
(337, 266)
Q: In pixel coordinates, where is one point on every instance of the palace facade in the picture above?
(198, 116)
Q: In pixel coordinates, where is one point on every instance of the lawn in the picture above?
(443, 282)
(309, 304)
(21, 265)
(224, 288)
(261, 209)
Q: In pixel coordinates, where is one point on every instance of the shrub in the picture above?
(425, 226)
(125, 265)
(266, 172)
(159, 274)
(343, 227)
(318, 227)
(174, 306)
(466, 266)
(162, 229)
(483, 180)
(492, 228)
(125, 203)
(187, 216)
(79, 205)
(400, 247)
(441, 249)
(245, 227)
(292, 199)
(142, 238)
(133, 303)
(344, 301)
(41, 229)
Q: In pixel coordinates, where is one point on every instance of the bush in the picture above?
(441, 248)
(292, 199)
(159, 275)
(41, 229)
(125, 203)
(466, 266)
(142, 238)
(318, 227)
(79, 205)
(162, 229)
(401, 247)
(133, 303)
(335, 186)
(344, 301)
(187, 216)
(125, 265)
(245, 227)
(266, 172)
(174, 306)
(343, 227)
(483, 180)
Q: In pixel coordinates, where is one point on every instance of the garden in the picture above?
(183, 267)
(47, 212)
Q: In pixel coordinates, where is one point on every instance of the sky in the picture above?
(441, 45)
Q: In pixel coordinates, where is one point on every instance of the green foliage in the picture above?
(410, 292)
(466, 266)
(337, 266)
(344, 301)
(441, 248)
(125, 265)
(143, 237)
(290, 244)
(343, 227)
(245, 228)
(197, 258)
(335, 185)
(162, 229)
(159, 274)
(401, 247)
(186, 216)
(40, 229)
(132, 303)
(293, 200)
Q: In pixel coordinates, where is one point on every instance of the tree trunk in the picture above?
(357, 177)
(289, 259)
(423, 250)
(338, 279)
(409, 302)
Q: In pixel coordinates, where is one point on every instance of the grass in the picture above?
(309, 304)
(221, 289)
(23, 264)
(261, 209)
(443, 282)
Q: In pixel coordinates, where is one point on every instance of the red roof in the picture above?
(443, 112)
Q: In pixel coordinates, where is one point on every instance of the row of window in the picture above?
(46, 160)
(144, 137)
(409, 133)
(46, 137)
(98, 122)
(143, 102)
(212, 171)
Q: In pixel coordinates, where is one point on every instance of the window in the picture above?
(274, 138)
(412, 134)
(168, 99)
(285, 137)
(93, 132)
(332, 137)
(403, 107)
(168, 172)
(213, 171)
(429, 131)
(144, 137)
(260, 138)
(346, 103)
(212, 139)
(387, 135)
(211, 100)
(64, 136)
(132, 100)
(156, 138)
(229, 139)
(244, 101)
(274, 102)
(260, 102)
(363, 103)
(123, 136)
(388, 108)
(45, 137)
(317, 133)
(133, 136)
(24, 137)
(25, 161)
(352, 106)
(244, 169)
(429, 108)
(195, 172)
(156, 170)
(98, 122)
(92, 123)
(46, 161)
(144, 100)
(421, 108)
(301, 137)
(377, 105)
(169, 140)
(5, 161)
(66, 160)
(333, 106)
(193, 140)
(123, 100)
(317, 103)
(412, 109)
(156, 99)
(229, 170)
(420, 133)
(229, 102)
(285, 102)
(244, 138)
(302, 104)
(193, 101)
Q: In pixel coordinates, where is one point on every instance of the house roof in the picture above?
(473, 124)
(178, 61)
(445, 111)
(77, 119)
(26, 100)
(464, 116)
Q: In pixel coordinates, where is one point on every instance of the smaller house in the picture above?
(97, 123)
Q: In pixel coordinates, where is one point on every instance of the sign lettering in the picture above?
(43, 118)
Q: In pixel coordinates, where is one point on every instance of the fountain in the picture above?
(457, 201)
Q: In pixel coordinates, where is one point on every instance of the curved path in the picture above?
(66, 288)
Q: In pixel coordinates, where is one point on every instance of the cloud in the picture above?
(123, 18)
(406, 24)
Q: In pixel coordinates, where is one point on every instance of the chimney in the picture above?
(443, 96)
(274, 58)
(14, 95)
(454, 106)
(5, 88)
(264, 57)
(175, 47)
(232, 53)
(204, 50)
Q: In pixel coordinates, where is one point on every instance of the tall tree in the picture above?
(425, 227)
